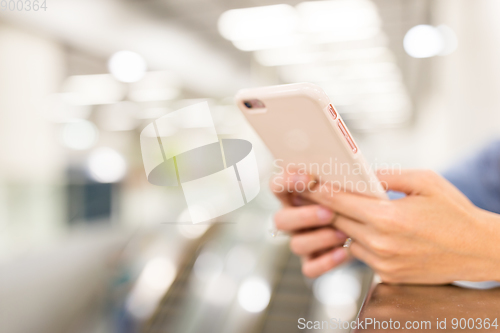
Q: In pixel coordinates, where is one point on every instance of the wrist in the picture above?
(488, 242)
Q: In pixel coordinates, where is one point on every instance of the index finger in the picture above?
(354, 205)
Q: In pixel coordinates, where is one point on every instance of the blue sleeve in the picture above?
(479, 178)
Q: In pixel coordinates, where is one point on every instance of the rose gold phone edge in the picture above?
(321, 100)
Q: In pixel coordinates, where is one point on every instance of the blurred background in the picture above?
(88, 245)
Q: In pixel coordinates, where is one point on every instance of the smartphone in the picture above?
(305, 133)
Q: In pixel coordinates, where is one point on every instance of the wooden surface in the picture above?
(432, 304)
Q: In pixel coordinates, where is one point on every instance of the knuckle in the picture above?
(389, 218)
(383, 267)
(391, 270)
(380, 246)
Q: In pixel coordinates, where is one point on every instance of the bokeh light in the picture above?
(79, 134)
(254, 294)
(106, 165)
(127, 66)
(275, 20)
(423, 41)
(338, 291)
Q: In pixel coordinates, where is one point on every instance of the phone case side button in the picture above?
(347, 136)
(332, 111)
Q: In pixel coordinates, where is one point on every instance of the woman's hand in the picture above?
(433, 235)
(313, 236)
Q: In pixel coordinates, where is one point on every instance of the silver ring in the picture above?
(347, 242)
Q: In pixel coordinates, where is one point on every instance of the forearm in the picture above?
(489, 243)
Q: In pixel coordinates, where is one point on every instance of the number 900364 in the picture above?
(23, 5)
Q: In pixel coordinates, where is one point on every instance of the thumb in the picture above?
(410, 182)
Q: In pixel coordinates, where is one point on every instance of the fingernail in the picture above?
(339, 255)
(340, 234)
(324, 215)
